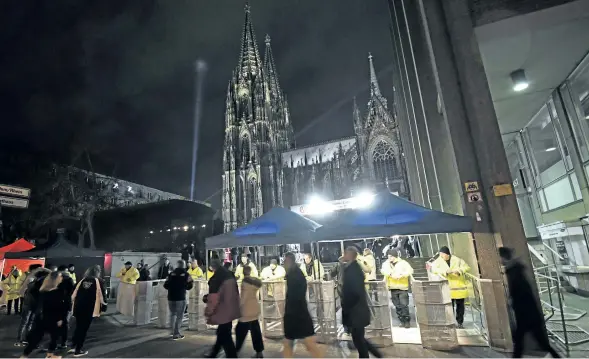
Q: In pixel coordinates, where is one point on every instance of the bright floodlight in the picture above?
(318, 205)
(363, 200)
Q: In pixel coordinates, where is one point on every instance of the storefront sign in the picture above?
(553, 230)
(501, 190)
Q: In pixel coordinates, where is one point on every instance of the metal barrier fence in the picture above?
(380, 330)
(273, 295)
(321, 301)
(196, 307)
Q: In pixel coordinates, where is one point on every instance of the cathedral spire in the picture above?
(374, 88)
(270, 69)
(249, 59)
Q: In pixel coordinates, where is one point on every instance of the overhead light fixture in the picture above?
(363, 200)
(150, 232)
(520, 82)
(185, 228)
(550, 149)
(204, 225)
(318, 205)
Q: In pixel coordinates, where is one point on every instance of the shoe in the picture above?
(178, 337)
(209, 355)
(402, 325)
(80, 353)
(18, 344)
(71, 350)
(460, 326)
(407, 325)
(258, 355)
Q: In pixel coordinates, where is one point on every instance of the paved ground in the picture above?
(107, 339)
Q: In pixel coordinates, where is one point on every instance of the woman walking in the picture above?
(54, 308)
(88, 303)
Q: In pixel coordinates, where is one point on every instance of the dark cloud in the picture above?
(119, 76)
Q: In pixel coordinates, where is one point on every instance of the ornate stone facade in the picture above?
(372, 158)
(261, 166)
(257, 131)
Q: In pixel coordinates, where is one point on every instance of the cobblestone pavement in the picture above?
(109, 338)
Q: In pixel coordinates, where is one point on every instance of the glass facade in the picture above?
(540, 157)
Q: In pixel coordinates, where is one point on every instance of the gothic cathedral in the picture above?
(257, 131)
(262, 168)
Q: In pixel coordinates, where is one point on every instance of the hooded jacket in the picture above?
(178, 282)
(249, 303)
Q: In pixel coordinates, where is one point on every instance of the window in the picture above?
(576, 97)
(550, 160)
(245, 149)
(547, 149)
(251, 207)
(384, 162)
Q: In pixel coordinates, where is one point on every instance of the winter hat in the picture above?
(445, 250)
(128, 263)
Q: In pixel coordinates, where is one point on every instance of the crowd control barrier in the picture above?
(273, 294)
(147, 305)
(321, 301)
(435, 316)
(196, 307)
(380, 330)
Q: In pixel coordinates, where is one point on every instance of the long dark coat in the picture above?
(298, 323)
(355, 310)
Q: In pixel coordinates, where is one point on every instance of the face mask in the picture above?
(72, 270)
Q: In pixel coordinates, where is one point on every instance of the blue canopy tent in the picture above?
(275, 227)
(390, 215)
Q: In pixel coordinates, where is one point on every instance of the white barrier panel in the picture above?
(273, 297)
(126, 299)
(163, 309)
(146, 304)
(196, 307)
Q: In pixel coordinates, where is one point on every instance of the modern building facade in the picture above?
(468, 121)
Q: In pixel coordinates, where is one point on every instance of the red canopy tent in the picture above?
(20, 245)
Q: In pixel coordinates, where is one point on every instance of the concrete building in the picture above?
(492, 102)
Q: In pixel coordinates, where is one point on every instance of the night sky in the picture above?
(117, 77)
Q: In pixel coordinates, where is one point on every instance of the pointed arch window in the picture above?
(245, 149)
(251, 201)
(384, 163)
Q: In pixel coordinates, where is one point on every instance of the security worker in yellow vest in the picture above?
(11, 286)
(453, 269)
(312, 269)
(72, 271)
(397, 273)
(273, 271)
(194, 271)
(245, 261)
(128, 274)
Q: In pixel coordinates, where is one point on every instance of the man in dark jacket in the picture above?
(528, 314)
(165, 268)
(178, 282)
(67, 285)
(355, 310)
(32, 283)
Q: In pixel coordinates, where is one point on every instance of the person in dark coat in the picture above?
(298, 324)
(528, 314)
(355, 310)
(89, 300)
(53, 308)
(30, 301)
(165, 269)
(178, 282)
(144, 274)
(67, 285)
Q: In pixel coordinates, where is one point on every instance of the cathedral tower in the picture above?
(378, 141)
(257, 130)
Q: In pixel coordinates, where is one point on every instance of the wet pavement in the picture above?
(108, 338)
